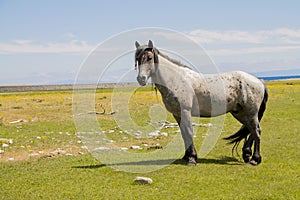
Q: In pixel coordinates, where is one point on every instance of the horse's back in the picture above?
(250, 90)
(225, 91)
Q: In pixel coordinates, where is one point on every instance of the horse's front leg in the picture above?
(185, 123)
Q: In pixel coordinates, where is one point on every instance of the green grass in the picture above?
(217, 176)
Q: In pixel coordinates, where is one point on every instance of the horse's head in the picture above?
(145, 60)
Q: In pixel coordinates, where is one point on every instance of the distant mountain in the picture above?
(290, 72)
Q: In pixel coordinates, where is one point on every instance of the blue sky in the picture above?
(45, 42)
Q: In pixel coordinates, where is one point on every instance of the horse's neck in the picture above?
(166, 74)
(165, 63)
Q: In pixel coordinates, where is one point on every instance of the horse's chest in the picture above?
(171, 102)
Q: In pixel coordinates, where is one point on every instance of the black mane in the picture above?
(141, 49)
(176, 62)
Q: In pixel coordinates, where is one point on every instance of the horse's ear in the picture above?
(150, 44)
(137, 44)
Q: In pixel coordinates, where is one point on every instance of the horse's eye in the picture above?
(149, 58)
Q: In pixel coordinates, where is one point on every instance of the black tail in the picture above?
(244, 131)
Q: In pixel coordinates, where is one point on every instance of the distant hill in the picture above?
(290, 72)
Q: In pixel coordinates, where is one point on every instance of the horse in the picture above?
(187, 93)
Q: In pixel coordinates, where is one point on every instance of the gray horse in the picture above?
(187, 93)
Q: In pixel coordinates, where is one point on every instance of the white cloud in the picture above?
(27, 46)
(253, 50)
(216, 42)
(237, 43)
(276, 36)
(69, 35)
(23, 42)
(209, 37)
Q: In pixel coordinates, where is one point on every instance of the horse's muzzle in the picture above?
(142, 80)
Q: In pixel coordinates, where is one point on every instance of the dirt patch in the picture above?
(18, 156)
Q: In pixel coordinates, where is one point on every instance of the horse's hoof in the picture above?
(253, 163)
(191, 162)
(246, 159)
(247, 155)
(256, 159)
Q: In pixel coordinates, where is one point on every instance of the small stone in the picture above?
(10, 159)
(135, 147)
(143, 180)
(154, 134)
(17, 121)
(38, 138)
(101, 149)
(5, 145)
(33, 154)
(165, 134)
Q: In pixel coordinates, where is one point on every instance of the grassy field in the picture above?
(41, 157)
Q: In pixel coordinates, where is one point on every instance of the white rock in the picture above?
(1, 151)
(10, 159)
(165, 134)
(38, 138)
(124, 148)
(143, 180)
(33, 154)
(101, 149)
(17, 121)
(5, 145)
(154, 134)
(135, 147)
(137, 134)
(58, 151)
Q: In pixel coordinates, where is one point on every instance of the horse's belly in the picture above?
(209, 108)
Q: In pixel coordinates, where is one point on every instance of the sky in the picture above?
(47, 42)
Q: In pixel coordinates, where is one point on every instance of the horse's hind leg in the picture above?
(255, 132)
(256, 157)
(252, 125)
(247, 152)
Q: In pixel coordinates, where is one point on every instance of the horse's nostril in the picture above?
(142, 80)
